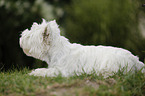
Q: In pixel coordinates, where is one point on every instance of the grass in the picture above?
(19, 83)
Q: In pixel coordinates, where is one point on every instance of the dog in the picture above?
(43, 41)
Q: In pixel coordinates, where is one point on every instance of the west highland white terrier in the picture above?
(44, 42)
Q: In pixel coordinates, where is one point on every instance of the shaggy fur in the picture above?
(44, 42)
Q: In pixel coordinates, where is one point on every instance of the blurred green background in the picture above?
(118, 23)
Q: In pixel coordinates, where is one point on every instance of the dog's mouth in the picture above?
(26, 51)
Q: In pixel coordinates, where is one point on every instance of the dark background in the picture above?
(118, 23)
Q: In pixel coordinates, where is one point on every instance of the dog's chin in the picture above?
(35, 55)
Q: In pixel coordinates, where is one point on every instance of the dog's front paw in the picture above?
(51, 72)
(39, 72)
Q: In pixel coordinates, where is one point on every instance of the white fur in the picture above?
(44, 42)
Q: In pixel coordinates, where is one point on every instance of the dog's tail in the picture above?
(141, 67)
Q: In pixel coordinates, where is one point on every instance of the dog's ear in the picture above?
(53, 24)
(46, 31)
(46, 34)
(43, 21)
(54, 27)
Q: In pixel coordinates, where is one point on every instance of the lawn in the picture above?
(19, 83)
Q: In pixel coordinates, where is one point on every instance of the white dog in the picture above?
(44, 42)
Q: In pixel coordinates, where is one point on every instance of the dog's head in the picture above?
(37, 41)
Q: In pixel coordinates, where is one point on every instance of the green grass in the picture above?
(19, 83)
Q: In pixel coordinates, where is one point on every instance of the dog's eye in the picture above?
(28, 37)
